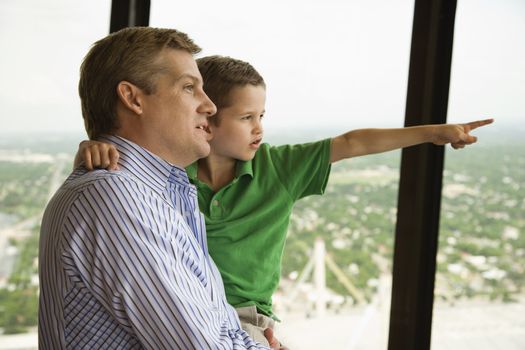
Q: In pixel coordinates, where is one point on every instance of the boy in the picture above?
(247, 189)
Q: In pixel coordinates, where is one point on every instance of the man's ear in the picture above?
(131, 96)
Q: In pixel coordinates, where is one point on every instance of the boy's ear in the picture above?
(131, 96)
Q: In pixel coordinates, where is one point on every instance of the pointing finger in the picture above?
(478, 123)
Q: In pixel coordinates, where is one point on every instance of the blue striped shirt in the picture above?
(124, 263)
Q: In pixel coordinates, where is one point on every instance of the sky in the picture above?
(331, 64)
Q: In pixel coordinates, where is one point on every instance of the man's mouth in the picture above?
(204, 128)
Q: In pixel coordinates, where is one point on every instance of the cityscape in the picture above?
(481, 256)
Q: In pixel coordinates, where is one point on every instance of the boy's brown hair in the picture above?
(221, 74)
(130, 54)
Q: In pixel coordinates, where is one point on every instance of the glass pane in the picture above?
(42, 45)
(479, 300)
(330, 66)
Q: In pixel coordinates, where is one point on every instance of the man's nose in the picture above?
(207, 106)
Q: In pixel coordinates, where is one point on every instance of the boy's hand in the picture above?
(95, 154)
(457, 134)
(274, 343)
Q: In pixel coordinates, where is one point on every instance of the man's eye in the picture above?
(189, 88)
(261, 116)
(248, 117)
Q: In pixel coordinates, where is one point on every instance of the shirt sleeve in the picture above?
(303, 169)
(149, 275)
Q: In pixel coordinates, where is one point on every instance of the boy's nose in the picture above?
(258, 128)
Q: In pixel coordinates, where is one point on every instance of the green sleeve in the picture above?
(303, 169)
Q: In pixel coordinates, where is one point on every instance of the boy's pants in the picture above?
(254, 323)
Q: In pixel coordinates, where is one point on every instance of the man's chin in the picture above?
(204, 150)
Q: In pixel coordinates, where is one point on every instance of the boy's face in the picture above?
(239, 132)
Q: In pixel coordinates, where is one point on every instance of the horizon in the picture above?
(491, 135)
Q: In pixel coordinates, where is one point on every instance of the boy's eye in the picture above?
(248, 117)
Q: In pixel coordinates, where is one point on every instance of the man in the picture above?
(123, 255)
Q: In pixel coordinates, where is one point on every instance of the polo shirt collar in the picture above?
(242, 168)
(148, 167)
(192, 170)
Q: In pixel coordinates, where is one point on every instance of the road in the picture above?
(22, 229)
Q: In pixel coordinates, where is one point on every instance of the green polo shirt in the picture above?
(247, 220)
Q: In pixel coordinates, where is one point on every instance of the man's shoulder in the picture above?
(82, 179)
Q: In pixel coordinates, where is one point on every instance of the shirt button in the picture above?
(215, 202)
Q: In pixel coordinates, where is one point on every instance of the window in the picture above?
(42, 45)
(330, 66)
(480, 274)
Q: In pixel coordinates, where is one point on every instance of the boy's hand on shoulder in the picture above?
(458, 135)
(95, 154)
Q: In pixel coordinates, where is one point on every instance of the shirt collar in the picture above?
(192, 171)
(242, 168)
(148, 167)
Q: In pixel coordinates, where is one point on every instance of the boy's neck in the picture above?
(215, 171)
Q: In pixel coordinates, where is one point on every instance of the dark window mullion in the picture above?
(421, 175)
(129, 13)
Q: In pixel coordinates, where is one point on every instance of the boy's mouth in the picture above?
(256, 143)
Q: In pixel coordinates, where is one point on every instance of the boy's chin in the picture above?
(246, 158)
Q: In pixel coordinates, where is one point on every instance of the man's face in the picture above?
(176, 114)
(239, 133)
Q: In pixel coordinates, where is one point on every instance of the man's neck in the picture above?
(216, 171)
